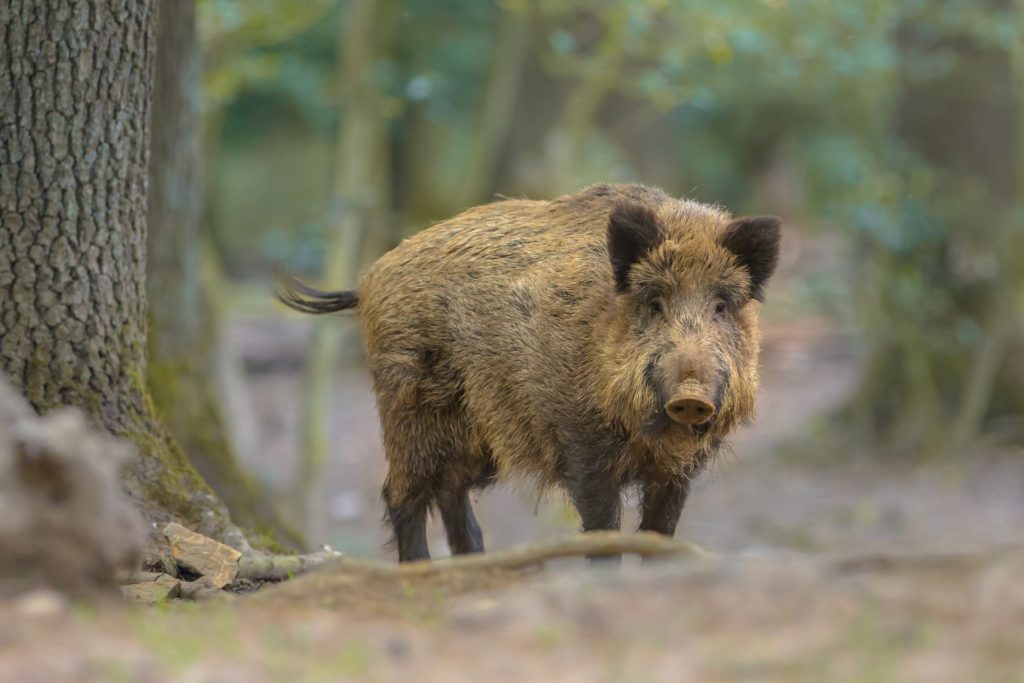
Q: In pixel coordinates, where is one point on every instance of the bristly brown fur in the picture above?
(541, 339)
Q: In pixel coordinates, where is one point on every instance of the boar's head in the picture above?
(680, 356)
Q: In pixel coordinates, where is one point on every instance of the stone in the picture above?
(127, 576)
(65, 521)
(162, 588)
(200, 589)
(204, 556)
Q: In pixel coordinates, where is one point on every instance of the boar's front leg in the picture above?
(662, 504)
(598, 499)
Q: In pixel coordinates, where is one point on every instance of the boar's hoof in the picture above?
(690, 411)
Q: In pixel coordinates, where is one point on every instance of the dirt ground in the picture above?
(878, 619)
(830, 569)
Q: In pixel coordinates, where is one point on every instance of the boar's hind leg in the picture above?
(464, 535)
(662, 504)
(407, 515)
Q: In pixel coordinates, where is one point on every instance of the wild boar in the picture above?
(599, 340)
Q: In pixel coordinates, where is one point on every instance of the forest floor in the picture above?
(824, 568)
(928, 618)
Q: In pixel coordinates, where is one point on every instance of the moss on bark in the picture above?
(187, 402)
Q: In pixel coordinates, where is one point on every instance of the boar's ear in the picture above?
(755, 243)
(633, 230)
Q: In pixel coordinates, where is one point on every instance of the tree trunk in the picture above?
(355, 197)
(566, 141)
(183, 334)
(509, 59)
(75, 80)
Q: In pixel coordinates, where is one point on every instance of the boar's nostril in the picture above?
(690, 411)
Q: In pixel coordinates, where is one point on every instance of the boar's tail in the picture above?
(305, 299)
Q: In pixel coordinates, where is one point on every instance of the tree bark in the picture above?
(183, 334)
(75, 86)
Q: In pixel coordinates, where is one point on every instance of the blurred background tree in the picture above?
(888, 132)
(184, 335)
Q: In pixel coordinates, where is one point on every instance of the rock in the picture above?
(157, 558)
(65, 521)
(204, 556)
(127, 576)
(201, 589)
(162, 588)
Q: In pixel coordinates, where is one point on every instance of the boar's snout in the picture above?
(690, 382)
(690, 409)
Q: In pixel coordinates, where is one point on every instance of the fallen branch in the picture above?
(282, 567)
(348, 583)
(593, 543)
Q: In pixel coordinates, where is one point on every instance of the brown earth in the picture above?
(927, 618)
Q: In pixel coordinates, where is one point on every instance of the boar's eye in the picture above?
(720, 308)
(655, 308)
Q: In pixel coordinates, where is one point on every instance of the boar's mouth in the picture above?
(660, 425)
